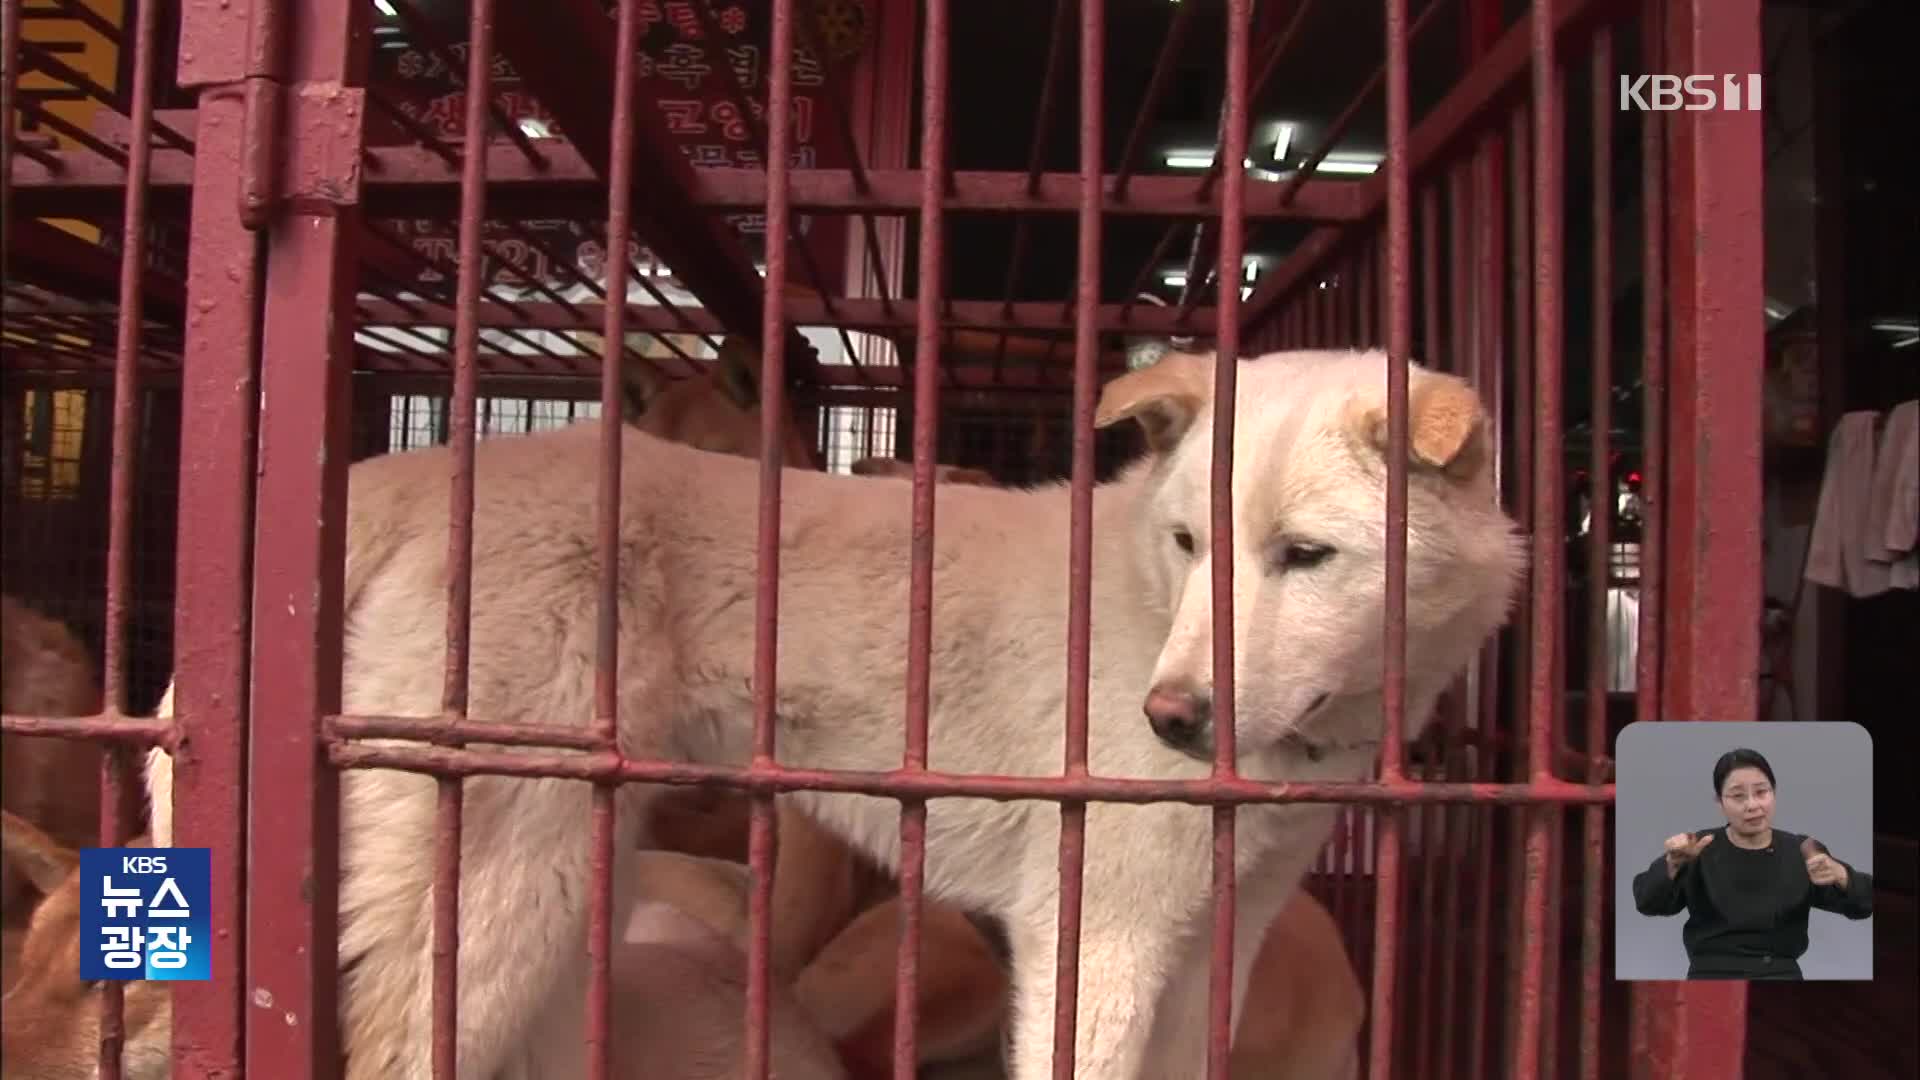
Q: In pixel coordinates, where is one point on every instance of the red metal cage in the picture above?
(263, 230)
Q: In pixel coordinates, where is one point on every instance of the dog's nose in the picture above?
(1178, 714)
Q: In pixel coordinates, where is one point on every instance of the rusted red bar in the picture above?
(1544, 691)
(1648, 676)
(1463, 329)
(9, 138)
(1033, 319)
(293, 854)
(1520, 476)
(1599, 546)
(118, 798)
(108, 727)
(1713, 174)
(466, 336)
(1230, 162)
(219, 398)
(1430, 273)
(1490, 249)
(605, 767)
(419, 181)
(926, 416)
(606, 670)
(773, 412)
(1426, 972)
(1086, 359)
(1350, 301)
(1399, 335)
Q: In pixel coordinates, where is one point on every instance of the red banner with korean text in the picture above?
(696, 72)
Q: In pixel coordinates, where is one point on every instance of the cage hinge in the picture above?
(319, 143)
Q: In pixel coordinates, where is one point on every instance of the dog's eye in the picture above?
(1183, 540)
(1301, 555)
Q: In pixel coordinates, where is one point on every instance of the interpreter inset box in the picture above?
(1743, 851)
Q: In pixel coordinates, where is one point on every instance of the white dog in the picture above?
(1309, 500)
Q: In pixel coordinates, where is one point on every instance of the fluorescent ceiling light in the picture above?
(385, 8)
(1174, 278)
(1349, 166)
(533, 128)
(1283, 140)
(1897, 326)
(1907, 342)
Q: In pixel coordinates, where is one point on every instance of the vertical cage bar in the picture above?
(117, 796)
(1430, 272)
(1544, 690)
(762, 840)
(1233, 182)
(926, 426)
(1386, 871)
(1086, 360)
(1520, 476)
(606, 672)
(1653, 379)
(1420, 978)
(1648, 672)
(1490, 247)
(1599, 549)
(1372, 298)
(1465, 327)
(10, 59)
(1465, 236)
(1713, 170)
(462, 409)
(220, 392)
(1343, 301)
(293, 861)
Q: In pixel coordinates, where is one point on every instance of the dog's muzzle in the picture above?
(1182, 718)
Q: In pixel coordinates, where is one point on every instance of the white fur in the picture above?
(1304, 465)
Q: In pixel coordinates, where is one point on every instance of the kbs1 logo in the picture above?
(143, 913)
(1690, 93)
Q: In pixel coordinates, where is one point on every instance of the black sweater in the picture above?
(1747, 909)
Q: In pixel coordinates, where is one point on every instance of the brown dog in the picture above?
(46, 671)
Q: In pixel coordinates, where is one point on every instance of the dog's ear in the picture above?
(37, 856)
(1446, 426)
(1165, 398)
(639, 381)
(737, 370)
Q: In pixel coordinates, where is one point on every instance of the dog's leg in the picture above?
(525, 873)
(1137, 907)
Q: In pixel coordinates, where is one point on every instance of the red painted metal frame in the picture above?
(1712, 541)
(293, 867)
(220, 392)
(1700, 180)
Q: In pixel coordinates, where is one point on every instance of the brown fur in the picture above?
(717, 411)
(45, 671)
(1305, 1004)
(50, 1026)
